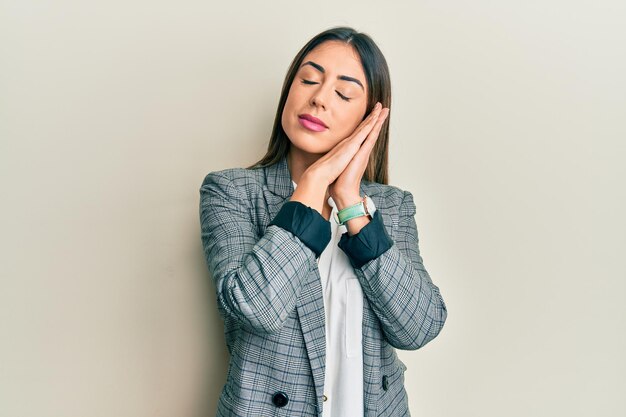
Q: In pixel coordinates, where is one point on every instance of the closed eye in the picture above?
(340, 95)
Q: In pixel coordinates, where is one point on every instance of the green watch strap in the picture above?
(356, 210)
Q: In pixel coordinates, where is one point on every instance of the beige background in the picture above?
(507, 125)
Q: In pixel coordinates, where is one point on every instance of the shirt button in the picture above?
(325, 397)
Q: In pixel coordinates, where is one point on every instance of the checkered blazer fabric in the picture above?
(269, 295)
(306, 223)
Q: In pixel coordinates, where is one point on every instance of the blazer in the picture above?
(269, 295)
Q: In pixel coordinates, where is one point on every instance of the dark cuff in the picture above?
(306, 223)
(371, 242)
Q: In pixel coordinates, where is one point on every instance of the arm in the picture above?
(257, 280)
(405, 300)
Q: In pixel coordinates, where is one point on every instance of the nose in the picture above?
(317, 101)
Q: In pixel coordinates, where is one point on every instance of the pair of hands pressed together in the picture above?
(342, 168)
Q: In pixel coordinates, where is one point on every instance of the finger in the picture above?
(351, 144)
(369, 120)
(360, 133)
(355, 139)
(375, 132)
(377, 108)
(365, 150)
(372, 117)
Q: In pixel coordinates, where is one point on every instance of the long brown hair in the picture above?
(378, 81)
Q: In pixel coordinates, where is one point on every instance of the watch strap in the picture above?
(356, 210)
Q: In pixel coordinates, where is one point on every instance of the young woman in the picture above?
(314, 256)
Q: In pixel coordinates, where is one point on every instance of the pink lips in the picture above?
(311, 123)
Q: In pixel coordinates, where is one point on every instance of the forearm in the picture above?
(407, 303)
(262, 291)
(392, 275)
(257, 280)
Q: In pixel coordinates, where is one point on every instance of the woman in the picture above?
(314, 256)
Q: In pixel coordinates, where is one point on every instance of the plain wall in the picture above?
(507, 125)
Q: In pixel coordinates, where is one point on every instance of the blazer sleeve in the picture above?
(369, 243)
(392, 275)
(257, 278)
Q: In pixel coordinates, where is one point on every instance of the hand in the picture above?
(330, 166)
(345, 189)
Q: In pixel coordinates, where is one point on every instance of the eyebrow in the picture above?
(339, 77)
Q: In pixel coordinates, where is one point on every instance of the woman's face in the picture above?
(329, 85)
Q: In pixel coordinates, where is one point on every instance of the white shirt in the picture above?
(343, 307)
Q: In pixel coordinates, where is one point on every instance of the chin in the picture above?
(312, 148)
(309, 144)
(316, 143)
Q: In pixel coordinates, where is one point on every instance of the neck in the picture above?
(298, 162)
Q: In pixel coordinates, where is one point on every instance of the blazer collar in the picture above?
(278, 180)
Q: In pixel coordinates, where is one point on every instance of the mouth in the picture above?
(312, 123)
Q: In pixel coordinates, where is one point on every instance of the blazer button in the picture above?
(324, 397)
(385, 382)
(280, 399)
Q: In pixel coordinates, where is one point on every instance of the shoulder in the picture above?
(237, 181)
(235, 175)
(395, 203)
(389, 196)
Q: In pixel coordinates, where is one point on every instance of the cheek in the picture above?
(295, 92)
(341, 131)
(289, 103)
(349, 122)
(293, 98)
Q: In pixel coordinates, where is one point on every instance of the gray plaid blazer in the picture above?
(269, 295)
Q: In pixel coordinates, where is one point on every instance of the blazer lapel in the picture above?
(310, 305)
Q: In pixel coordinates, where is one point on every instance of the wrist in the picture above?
(346, 200)
(310, 192)
(364, 209)
(314, 177)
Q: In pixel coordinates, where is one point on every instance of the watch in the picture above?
(365, 207)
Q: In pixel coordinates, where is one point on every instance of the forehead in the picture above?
(336, 58)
